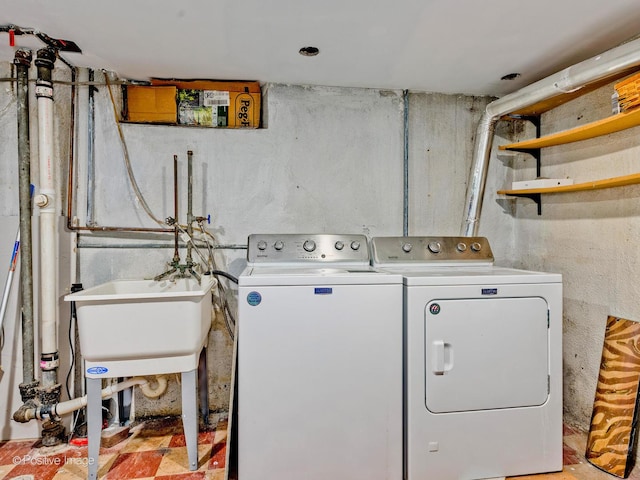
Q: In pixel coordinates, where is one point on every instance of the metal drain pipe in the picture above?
(46, 200)
(568, 80)
(22, 62)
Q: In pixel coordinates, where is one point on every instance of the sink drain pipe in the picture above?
(54, 411)
(22, 62)
(607, 64)
(49, 390)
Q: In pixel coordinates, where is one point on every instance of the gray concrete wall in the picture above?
(330, 160)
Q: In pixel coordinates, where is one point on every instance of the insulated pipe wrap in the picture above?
(570, 79)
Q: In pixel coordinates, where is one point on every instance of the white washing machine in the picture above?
(319, 361)
(483, 360)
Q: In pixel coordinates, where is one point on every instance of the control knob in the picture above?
(279, 245)
(407, 247)
(461, 247)
(434, 247)
(309, 245)
(355, 245)
(339, 245)
(476, 247)
(262, 245)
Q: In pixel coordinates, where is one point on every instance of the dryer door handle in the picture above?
(442, 357)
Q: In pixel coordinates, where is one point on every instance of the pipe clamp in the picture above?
(48, 365)
(44, 91)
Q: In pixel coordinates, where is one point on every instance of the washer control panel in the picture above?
(308, 248)
(450, 250)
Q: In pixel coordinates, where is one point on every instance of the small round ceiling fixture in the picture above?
(309, 51)
(510, 76)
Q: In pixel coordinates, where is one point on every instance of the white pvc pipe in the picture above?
(46, 201)
(69, 406)
(570, 79)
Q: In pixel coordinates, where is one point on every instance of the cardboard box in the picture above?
(151, 104)
(216, 103)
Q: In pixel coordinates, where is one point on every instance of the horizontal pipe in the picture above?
(26, 413)
(154, 245)
(72, 227)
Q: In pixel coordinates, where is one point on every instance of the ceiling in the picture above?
(447, 46)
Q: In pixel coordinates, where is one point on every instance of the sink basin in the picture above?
(128, 320)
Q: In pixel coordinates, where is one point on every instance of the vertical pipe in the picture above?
(91, 175)
(22, 62)
(189, 204)
(46, 201)
(176, 253)
(405, 223)
(478, 174)
(53, 432)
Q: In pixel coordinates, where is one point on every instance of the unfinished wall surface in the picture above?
(329, 160)
(589, 237)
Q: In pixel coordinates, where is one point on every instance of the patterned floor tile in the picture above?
(4, 470)
(203, 438)
(218, 456)
(547, 476)
(76, 466)
(176, 460)
(183, 476)
(10, 450)
(215, 475)
(569, 455)
(144, 444)
(133, 465)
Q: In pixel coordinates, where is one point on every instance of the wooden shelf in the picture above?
(615, 123)
(578, 187)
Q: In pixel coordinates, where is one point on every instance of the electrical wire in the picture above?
(222, 274)
(72, 321)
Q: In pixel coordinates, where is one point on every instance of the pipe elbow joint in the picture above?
(156, 389)
(25, 413)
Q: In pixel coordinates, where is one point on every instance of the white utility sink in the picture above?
(132, 324)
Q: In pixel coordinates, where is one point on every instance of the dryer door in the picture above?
(486, 353)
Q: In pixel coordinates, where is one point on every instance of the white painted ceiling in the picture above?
(448, 46)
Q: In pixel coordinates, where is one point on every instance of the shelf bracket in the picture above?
(535, 152)
(536, 197)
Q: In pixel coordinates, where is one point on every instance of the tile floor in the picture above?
(156, 449)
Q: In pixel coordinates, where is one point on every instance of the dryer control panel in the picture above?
(440, 250)
(308, 248)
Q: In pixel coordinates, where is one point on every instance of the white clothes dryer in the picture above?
(319, 361)
(482, 360)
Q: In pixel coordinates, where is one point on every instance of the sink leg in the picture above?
(94, 424)
(190, 416)
(203, 386)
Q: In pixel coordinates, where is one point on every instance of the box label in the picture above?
(215, 98)
(244, 108)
